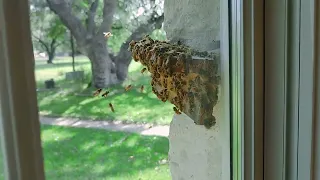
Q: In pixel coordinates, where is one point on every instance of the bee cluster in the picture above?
(187, 78)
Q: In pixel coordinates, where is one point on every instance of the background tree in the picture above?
(87, 20)
(48, 32)
(72, 51)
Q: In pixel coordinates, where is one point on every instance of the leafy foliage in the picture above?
(48, 32)
(128, 15)
(88, 20)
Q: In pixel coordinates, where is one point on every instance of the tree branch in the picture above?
(63, 10)
(152, 24)
(123, 58)
(53, 42)
(108, 11)
(44, 44)
(91, 15)
(41, 42)
(57, 44)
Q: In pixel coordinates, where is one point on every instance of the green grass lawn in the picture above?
(82, 154)
(129, 106)
(78, 153)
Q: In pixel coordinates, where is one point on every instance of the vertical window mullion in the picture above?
(275, 88)
(247, 77)
(293, 76)
(316, 136)
(19, 113)
(306, 94)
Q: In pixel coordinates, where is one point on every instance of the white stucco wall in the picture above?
(195, 21)
(195, 152)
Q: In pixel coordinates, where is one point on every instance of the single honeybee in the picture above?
(111, 107)
(143, 70)
(107, 34)
(128, 87)
(105, 94)
(176, 110)
(141, 88)
(97, 92)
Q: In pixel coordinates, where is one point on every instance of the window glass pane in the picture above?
(117, 92)
(128, 138)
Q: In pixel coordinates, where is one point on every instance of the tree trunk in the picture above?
(122, 63)
(72, 51)
(50, 56)
(51, 50)
(103, 69)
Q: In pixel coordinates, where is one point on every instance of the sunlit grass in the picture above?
(77, 153)
(81, 154)
(129, 106)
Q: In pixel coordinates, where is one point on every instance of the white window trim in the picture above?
(307, 86)
(275, 89)
(225, 85)
(316, 151)
(292, 59)
(20, 127)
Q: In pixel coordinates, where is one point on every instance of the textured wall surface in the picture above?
(195, 22)
(195, 152)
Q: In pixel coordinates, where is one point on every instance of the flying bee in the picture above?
(97, 92)
(111, 107)
(105, 94)
(128, 87)
(143, 70)
(107, 34)
(176, 110)
(141, 88)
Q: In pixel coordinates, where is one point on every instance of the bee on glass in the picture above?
(176, 110)
(128, 87)
(105, 94)
(97, 92)
(107, 34)
(143, 70)
(111, 107)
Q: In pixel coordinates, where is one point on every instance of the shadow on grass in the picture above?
(70, 100)
(41, 66)
(77, 153)
(129, 106)
(62, 83)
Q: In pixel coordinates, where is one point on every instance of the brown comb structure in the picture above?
(187, 78)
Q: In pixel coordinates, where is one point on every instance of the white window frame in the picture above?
(19, 120)
(316, 150)
(275, 89)
(292, 72)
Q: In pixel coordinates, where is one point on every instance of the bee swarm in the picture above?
(185, 77)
